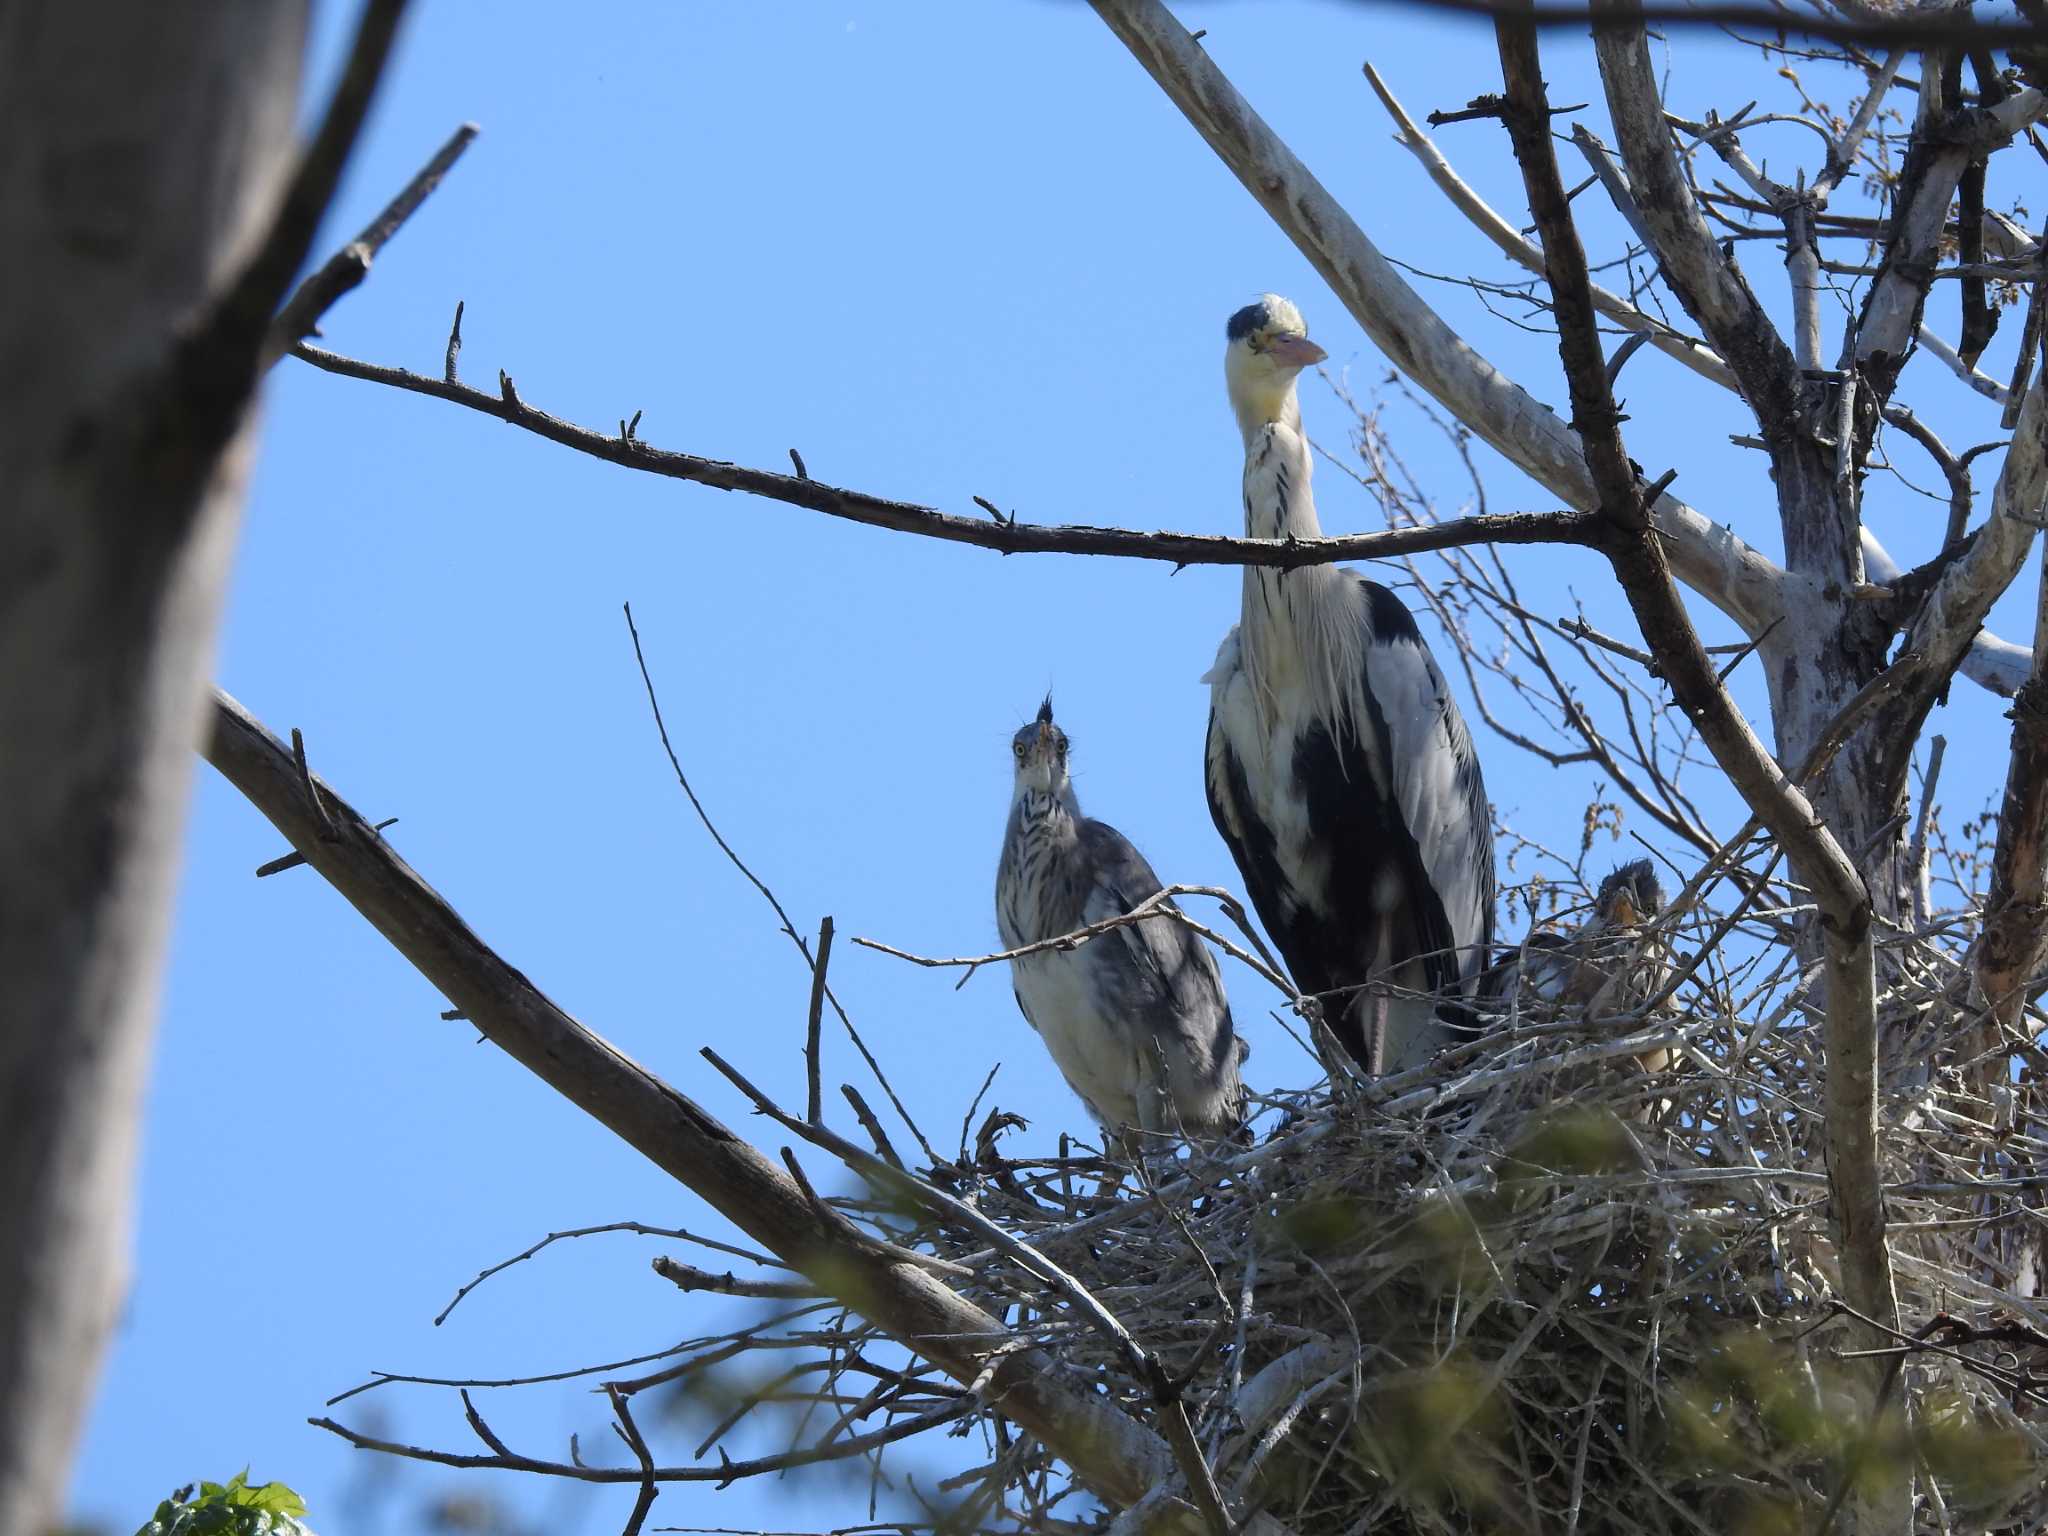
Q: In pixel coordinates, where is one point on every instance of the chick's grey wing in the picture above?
(1167, 971)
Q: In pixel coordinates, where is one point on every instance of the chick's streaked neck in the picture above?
(1043, 796)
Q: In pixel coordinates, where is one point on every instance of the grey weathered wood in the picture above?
(142, 148)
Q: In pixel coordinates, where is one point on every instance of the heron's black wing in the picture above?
(1432, 777)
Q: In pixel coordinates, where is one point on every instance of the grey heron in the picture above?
(1611, 963)
(1607, 961)
(1339, 770)
(1600, 961)
(1135, 1018)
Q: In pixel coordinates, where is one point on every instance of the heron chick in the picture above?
(1607, 960)
(1338, 768)
(1135, 1018)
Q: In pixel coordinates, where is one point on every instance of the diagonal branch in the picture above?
(2016, 908)
(1995, 665)
(1955, 609)
(240, 322)
(1692, 352)
(1118, 1458)
(503, 1458)
(1819, 532)
(1630, 542)
(1706, 281)
(1855, 1175)
(1009, 536)
(1736, 579)
(1905, 27)
(1941, 151)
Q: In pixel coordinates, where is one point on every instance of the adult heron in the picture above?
(1135, 1018)
(1339, 769)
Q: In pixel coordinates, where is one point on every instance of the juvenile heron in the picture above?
(1339, 770)
(1135, 1018)
(1606, 960)
(1609, 964)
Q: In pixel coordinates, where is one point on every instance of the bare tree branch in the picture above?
(2016, 907)
(1705, 280)
(1118, 1458)
(1940, 154)
(1995, 665)
(1010, 537)
(1855, 1172)
(1708, 558)
(1819, 534)
(1955, 609)
(347, 267)
(1689, 350)
(1906, 29)
(1983, 383)
(240, 322)
(503, 1458)
(688, 1277)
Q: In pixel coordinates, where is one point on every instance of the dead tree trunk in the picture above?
(140, 156)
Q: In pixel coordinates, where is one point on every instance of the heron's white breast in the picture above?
(1086, 1045)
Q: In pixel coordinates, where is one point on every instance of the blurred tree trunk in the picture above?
(141, 150)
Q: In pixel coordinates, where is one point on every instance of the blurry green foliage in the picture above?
(233, 1508)
(1572, 1140)
(1427, 1433)
(1760, 1407)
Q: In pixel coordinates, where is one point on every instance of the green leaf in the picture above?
(230, 1509)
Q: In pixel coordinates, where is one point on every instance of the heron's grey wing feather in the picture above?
(1181, 988)
(1434, 772)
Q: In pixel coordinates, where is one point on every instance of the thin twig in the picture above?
(815, 1102)
(782, 916)
(347, 267)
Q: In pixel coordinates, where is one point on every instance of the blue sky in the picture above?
(944, 251)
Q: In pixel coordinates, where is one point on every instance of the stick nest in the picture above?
(1538, 1287)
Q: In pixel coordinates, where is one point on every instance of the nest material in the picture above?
(1535, 1287)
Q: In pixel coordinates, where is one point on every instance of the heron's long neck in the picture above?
(1036, 894)
(1256, 412)
(1300, 632)
(1279, 501)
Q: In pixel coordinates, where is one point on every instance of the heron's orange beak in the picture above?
(1621, 910)
(1295, 351)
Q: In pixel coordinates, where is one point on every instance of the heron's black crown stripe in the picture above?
(1251, 318)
